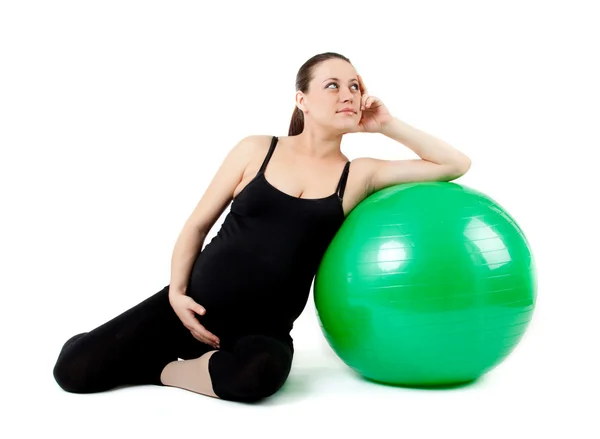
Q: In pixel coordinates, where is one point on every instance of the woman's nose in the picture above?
(346, 96)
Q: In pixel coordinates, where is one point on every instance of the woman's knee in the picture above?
(257, 368)
(67, 379)
(69, 371)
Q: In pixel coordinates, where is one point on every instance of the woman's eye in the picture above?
(333, 83)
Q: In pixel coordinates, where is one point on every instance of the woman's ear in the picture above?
(300, 102)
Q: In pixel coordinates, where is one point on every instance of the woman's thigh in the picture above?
(131, 348)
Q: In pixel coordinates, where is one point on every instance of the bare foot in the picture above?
(190, 375)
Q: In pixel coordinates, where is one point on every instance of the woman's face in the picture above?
(334, 87)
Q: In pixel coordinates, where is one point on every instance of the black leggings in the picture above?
(134, 347)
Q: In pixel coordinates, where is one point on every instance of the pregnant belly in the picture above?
(238, 290)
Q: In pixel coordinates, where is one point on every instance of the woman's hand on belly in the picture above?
(185, 307)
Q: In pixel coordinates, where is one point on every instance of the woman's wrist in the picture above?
(176, 292)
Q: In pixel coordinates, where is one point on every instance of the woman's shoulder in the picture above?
(257, 140)
(247, 148)
(256, 143)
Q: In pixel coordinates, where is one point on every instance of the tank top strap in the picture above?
(342, 183)
(269, 154)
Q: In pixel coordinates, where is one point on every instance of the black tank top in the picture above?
(256, 273)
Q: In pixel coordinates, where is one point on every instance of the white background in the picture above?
(115, 115)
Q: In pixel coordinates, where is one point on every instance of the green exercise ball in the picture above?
(425, 284)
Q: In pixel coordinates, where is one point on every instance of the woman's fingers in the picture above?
(201, 333)
(365, 102)
(200, 329)
(205, 340)
(196, 328)
(199, 309)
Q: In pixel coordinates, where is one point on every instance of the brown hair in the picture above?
(303, 78)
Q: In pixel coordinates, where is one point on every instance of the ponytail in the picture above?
(297, 123)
